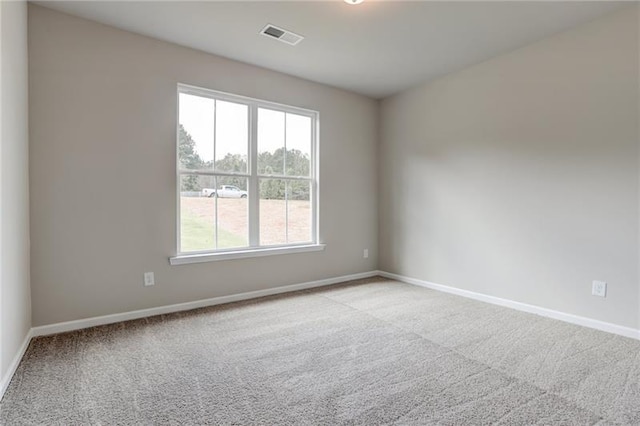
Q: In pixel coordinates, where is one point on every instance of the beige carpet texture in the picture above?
(367, 352)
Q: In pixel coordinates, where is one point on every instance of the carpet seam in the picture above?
(397, 326)
(453, 350)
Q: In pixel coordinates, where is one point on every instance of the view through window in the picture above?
(246, 173)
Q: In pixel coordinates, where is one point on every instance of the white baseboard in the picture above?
(549, 313)
(126, 316)
(6, 379)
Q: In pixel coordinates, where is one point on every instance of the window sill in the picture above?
(184, 259)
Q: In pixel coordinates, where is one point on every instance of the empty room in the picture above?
(365, 212)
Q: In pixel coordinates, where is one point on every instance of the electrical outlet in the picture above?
(599, 288)
(149, 279)
(365, 254)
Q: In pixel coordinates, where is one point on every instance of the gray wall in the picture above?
(103, 114)
(15, 306)
(518, 177)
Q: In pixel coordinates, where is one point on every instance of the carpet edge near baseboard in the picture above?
(66, 326)
(79, 324)
(6, 379)
(143, 313)
(519, 306)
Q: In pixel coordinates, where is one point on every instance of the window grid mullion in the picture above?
(254, 187)
(306, 179)
(315, 175)
(211, 173)
(286, 184)
(213, 167)
(286, 210)
(215, 229)
(215, 132)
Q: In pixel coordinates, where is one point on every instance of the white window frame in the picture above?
(254, 249)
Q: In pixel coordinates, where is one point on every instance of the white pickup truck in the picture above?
(225, 191)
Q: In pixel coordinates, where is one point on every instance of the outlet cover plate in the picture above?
(599, 288)
(149, 279)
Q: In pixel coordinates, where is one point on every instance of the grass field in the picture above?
(280, 223)
(198, 235)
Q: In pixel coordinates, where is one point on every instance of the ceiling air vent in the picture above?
(281, 34)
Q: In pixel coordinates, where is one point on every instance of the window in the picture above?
(246, 174)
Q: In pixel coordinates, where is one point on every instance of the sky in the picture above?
(231, 136)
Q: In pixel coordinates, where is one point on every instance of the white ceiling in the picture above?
(377, 48)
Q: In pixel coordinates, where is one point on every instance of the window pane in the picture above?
(271, 128)
(299, 211)
(233, 216)
(232, 137)
(273, 212)
(298, 139)
(197, 216)
(216, 138)
(195, 132)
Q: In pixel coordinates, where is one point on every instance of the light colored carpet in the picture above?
(368, 352)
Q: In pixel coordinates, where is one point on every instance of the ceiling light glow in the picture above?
(353, 1)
